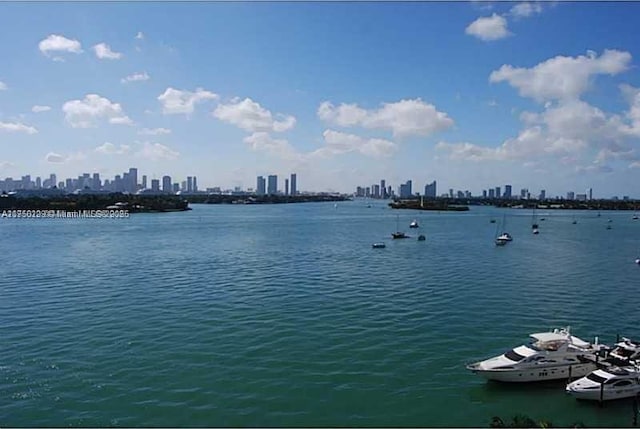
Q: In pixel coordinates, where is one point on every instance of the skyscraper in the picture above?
(405, 190)
(272, 184)
(133, 180)
(286, 186)
(155, 185)
(430, 190)
(144, 181)
(590, 193)
(383, 189)
(261, 186)
(498, 194)
(195, 184)
(189, 184)
(294, 184)
(507, 191)
(166, 184)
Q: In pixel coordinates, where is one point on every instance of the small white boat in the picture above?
(536, 231)
(607, 384)
(413, 224)
(550, 356)
(624, 353)
(638, 261)
(378, 245)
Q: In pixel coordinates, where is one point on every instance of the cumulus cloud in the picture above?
(140, 35)
(337, 143)
(135, 77)
(17, 127)
(104, 52)
(111, 149)
(176, 101)
(262, 141)
(154, 131)
(3, 86)
(156, 152)
(55, 158)
(526, 9)
(86, 113)
(55, 43)
(403, 118)
(250, 116)
(39, 109)
(489, 28)
(561, 77)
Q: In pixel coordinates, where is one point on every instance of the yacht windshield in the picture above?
(596, 378)
(512, 355)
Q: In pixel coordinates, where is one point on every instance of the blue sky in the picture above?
(471, 94)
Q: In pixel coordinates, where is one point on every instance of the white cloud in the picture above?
(175, 101)
(111, 149)
(250, 116)
(6, 165)
(140, 35)
(56, 43)
(489, 28)
(135, 77)
(632, 95)
(154, 131)
(156, 151)
(3, 86)
(262, 141)
(561, 77)
(403, 118)
(526, 9)
(39, 109)
(337, 143)
(54, 158)
(85, 113)
(104, 52)
(17, 127)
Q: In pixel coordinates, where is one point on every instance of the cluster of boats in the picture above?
(399, 234)
(594, 371)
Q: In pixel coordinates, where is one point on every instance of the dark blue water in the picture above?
(284, 315)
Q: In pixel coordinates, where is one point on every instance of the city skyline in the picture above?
(342, 93)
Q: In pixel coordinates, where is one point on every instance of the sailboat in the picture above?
(505, 237)
(534, 224)
(398, 234)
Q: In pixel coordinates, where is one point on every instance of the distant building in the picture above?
(376, 191)
(359, 191)
(430, 190)
(261, 186)
(272, 184)
(484, 193)
(294, 184)
(570, 195)
(155, 185)
(286, 186)
(132, 185)
(581, 197)
(498, 194)
(195, 184)
(523, 193)
(507, 191)
(590, 192)
(405, 190)
(144, 181)
(543, 195)
(176, 188)
(189, 184)
(166, 184)
(383, 189)
(492, 193)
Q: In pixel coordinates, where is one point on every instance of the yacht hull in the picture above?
(607, 394)
(526, 375)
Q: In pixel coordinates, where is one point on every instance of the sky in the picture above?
(471, 94)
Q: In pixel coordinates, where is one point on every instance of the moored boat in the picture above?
(550, 356)
(607, 384)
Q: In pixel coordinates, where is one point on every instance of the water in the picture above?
(283, 315)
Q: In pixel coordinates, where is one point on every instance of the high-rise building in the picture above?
(144, 181)
(507, 191)
(543, 195)
(570, 195)
(195, 184)
(96, 182)
(52, 179)
(383, 190)
(286, 186)
(155, 185)
(376, 191)
(189, 184)
(38, 182)
(430, 190)
(261, 186)
(405, 190)
(294, 184)
(272, 184)
(176, 188)
(166, 184)
(484, 193)
(498, 194)
(590, 192)
(492, 193)
(133, 180)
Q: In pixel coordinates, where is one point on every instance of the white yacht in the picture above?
(607, 384)
(413, 224)
(503, 239)
(550, 356)
(625, 352)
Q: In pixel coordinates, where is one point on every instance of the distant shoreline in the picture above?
(462, 204)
